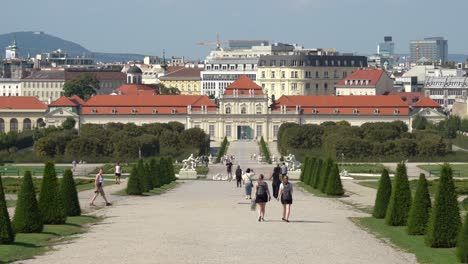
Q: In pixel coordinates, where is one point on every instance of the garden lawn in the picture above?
(13, 185)
(21, 169)
(363, 168)
(27, 246)
(412, 244)
(459, 170)
(461, 141)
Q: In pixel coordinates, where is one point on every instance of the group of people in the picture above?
(282, 190)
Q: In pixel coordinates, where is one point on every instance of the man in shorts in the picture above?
(118, 173)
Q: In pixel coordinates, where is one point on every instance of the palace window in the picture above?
(263, 74)
(228, 131)
(243, 110)
(211, 130)
(283, 74)
(336, 111)
(228, 110)
(376, 111)
(273, 74)
(173, 111)
(314, 111)
(134, 111)
(355, 111)
(114, 111)
(275, 130)
(94, 110)
(259, 110)
(283, 87)
(396, 111)
(259, 131)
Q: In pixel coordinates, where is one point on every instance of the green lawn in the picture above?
(13, 185)
(461, 141)
(459, 170)
(156, 191)
(365, 177)
(11, 203)
(412, 244)
(15, 170)
(362, 168)
(27, 246)
(461, 186)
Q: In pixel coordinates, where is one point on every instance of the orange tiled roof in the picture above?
(370, 77)
(426, 102)
(135, 89)
(21, 102)
(145, 104)
(243, 84)
(63, 101)
(77, 100)
(329, 104)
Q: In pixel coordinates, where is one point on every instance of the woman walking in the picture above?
(276, 180)
(118, 173)
(247, 178)
(239, 176)
(262, 196)
(285, 194)
(99, 188)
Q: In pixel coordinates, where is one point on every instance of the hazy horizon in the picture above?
(148, 27)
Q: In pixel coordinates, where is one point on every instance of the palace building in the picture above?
(243, 111)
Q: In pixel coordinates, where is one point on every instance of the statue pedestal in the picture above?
(294, 175)
(187, 174)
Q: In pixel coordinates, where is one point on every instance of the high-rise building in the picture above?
(386, 48)
(429, 50)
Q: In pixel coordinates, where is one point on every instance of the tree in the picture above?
(142, 175)
(444, 221)
(170, 165)
(334, 186)
(50, 200)
(69, 194)
(383, 195)
(400, 200)
(134, 185)
(7, 236)
(303, 170)
(154, 164)
(27, 217)
(148, 177)
(84, 86)
(462, 243)
(163, 172)
(317, 173)
(419, 122)
(313, 162)
(326, 173)
(69, 123)
(163, 90)
(420, 209)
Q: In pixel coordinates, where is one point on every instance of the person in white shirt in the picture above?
(118, 173)
(247, 178)
(99, 188)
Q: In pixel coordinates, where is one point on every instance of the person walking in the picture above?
(262, 196)
(285, 194)
(284, 170)
(276, 180)
(117, 172)
(239, 176)
(229, 169)
(247, 178)
(99, 188)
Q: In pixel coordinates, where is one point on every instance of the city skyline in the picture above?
(176, 26)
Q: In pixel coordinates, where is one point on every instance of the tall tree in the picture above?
(444, 221)
(69, 194)
(134, 182)
(84, 86)
(50, 199)
(334, 186)
(420, 209)
(27, 217)
(383, 195)
(7, 236)
(400, 200)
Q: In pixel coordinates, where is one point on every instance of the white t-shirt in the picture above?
(117, 169)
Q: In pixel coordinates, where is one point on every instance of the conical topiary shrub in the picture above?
(311, 170)
(462, 243)
(420, 209)
(69, 194)
(50, 199)
(154, 164)
(27, 217)
(142, 176)
(303, 170)
(400, 200)
(334, 185)
(444, 221)
(383, 195)
(133, 185)
(170, 164)
(317, 173)
(7, 236)
(163, 173)
(149, 177)
(326, 172)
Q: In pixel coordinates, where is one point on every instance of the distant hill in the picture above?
(36, 42)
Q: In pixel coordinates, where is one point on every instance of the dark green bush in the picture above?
(462, 243)
(50, 199)
(383, 195)
(134, 182)
(69, 194)
(326, 173)
(7, 236)
(334, 186)
(420, 209)
(400, 200)
(27, 217)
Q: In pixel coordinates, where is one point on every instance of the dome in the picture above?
(134, 70)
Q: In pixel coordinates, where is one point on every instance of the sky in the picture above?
(149, 26)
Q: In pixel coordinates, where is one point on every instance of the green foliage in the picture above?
(142, 175)
(164, 171)
(420, 209)
(170, 166)
(334, 186)
(419, 122)
(69, 123)
(444, 222)
(325, 175)
(134, 182)
(304, 177)
(154, 166)
(27, 218)
(400, 200)
(317, 172)
(50, 200)
(7, 236)
(462, 242)
(163, 90)
(264, 150)
(383, 195)
(84, 86)
(222, 150)
(311, 171)
(12, 141)
(149, 176)
(69, 194)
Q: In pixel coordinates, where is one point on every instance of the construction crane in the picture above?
(218, 42)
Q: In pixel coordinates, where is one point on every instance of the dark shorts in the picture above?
(261, 198)
(286, 201)
(117, 175)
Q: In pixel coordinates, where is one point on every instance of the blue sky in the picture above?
(148, 26)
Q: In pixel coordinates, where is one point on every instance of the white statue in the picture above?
(260, 158)
(292, 163)
(190, 163)
(273, 158)
(210, 159)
